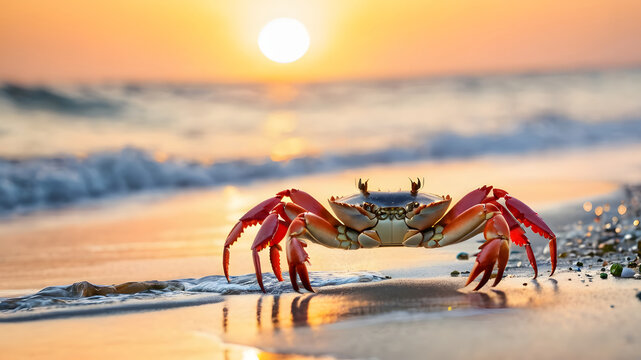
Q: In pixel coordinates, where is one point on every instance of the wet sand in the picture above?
(172, 236)
(549, 318)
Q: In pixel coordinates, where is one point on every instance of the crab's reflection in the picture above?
(338, 304)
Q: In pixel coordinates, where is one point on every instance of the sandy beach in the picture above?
(138, 139)
(419, 310)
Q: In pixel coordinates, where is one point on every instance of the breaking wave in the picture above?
(42, 98)
(34, 183)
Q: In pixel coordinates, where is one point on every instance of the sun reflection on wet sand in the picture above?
(288, 311)
(309, 323)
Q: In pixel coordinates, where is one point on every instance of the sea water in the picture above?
(60, 143)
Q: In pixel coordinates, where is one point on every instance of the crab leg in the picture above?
(296, 257)
(271, 233)
(310, 204)
(516, 210)
(529, 218)
(517, 235)
(273, 230)
(464, 224)
(254, 216)
(314, 228)
(474, 197)
(495, 250)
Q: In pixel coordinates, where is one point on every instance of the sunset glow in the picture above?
(198, 40)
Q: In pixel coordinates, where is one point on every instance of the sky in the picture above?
(216, 41)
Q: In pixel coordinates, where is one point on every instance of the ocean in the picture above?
(64, 143)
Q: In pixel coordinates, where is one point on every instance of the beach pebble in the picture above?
(454, 273)
(616, 269)
(462, 256)
(637, 276)
(627, 273)
(604, 275)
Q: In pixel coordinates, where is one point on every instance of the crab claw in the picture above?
(253, 217)
(496, 250)
(296, 258)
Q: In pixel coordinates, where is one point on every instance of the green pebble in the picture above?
(604, 276)
(455, 273)
(578, 263)
(616, 269)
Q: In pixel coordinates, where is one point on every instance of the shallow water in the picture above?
(84, 298)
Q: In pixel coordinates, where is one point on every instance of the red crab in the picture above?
(372, 219)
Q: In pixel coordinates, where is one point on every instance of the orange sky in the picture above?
(209, 40)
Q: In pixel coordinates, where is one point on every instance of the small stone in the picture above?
(524, 284)
(603, 269)
(611, 306)
(627, 273)
(599, 260)
(616, 269)
(578, 263)
(454, 273)
(637, 276)
(639, 295)
(462, 256)
(604, 275)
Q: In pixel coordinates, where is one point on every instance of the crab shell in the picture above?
(392, 215)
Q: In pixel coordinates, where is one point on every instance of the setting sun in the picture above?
(284, 40)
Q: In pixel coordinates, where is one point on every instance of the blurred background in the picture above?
(113, 97)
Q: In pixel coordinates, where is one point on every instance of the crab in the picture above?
(371, 219)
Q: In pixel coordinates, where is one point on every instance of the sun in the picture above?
(283, 40)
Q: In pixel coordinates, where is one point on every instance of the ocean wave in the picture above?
(34, 183)
(157, 294)
(55, 100)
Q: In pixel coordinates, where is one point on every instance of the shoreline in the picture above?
(421, 309)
